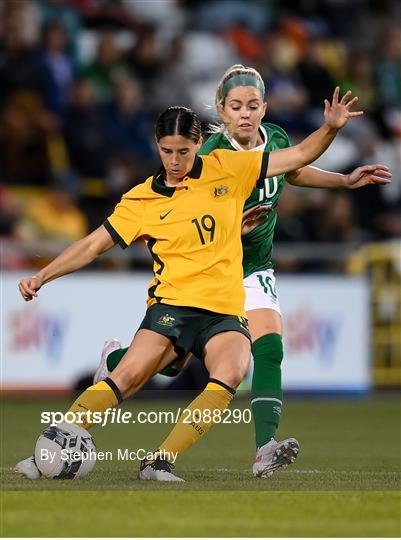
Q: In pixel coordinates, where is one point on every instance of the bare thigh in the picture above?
(227, 357)
(264, 321)
(148, 353)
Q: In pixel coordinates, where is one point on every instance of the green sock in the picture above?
(267, 395)
(115, 357)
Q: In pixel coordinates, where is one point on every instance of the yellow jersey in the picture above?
(193, 231)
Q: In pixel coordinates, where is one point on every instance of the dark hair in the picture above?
(178, 121)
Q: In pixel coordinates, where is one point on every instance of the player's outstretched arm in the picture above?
(76, 256)
(336, 115)
(361, 176)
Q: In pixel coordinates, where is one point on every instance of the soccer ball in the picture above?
(65, 451)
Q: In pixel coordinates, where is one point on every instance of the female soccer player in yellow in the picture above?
(190, 215)
(240, 104)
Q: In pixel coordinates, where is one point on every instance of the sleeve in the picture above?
(212, 143)
(248, 167)
(126, 222)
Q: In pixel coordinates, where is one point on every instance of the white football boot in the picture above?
(274, 455)
(102, 372)
(27, 467)
(159, 470)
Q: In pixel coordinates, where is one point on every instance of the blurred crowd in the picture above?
(82, 81)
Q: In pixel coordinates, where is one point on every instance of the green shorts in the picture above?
(191, 328)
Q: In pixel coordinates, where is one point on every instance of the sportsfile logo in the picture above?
(119, 416)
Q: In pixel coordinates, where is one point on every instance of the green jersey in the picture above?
(258, 244)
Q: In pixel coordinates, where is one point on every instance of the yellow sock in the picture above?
(103, 395)
(198, 418)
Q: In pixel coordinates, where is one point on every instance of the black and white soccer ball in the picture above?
(65, 451)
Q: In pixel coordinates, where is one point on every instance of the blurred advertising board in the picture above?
(326, 333)
(54, 340)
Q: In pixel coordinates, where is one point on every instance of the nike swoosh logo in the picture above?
(162, 216)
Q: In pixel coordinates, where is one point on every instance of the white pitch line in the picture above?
(216, 470)
(316, 471)
(292, 471)
(300, 471)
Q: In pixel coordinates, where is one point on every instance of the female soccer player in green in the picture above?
(241, 106)
(240, 103)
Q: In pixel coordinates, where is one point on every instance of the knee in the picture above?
(236, 377)
(268, 349)
(228, 357)
(232, 374)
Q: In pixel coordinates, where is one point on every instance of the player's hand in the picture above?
(368, 174)
(29, 287)
(254, 216)
(337, 113)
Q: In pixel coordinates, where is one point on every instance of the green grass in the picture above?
(345, 482)
(155, 514)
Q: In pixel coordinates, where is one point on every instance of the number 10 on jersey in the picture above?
(269, 189)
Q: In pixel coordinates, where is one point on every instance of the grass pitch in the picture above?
(345, 482)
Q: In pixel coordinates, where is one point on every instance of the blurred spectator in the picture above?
(174, 84)
(62, 12)
(8, 212)
(388, 76)
(125, 172)
(24, 14)
(285, 94)
(314, 75)
(246, 44)
(20, 68)
(378, 215)
(106, 68)
(290, 227)
(336, 221)
(145, 60)
(130, 129)
(105, 14)
(12, 257)
(167, 15)
(52, 217)
(360, 80)
(25, 130)
(86, 133)
(58, 64)
(214, 15)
